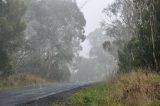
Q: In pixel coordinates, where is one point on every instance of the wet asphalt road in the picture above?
(14, 97)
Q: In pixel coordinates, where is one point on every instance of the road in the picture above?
(14, 97)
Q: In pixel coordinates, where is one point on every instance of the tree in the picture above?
(119, 24)
(142, 50)
(145, 46)
(11, 33)
(55, 29)
(99, 65)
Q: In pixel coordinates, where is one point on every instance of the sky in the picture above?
(93, 14)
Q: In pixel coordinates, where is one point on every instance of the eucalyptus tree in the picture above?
(12, 27)
(54, 30)
(119, 24)
(147, 39)
(138, 21)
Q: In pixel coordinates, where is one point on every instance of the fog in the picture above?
(51, 49)
(92, 10)
(89, 70)
(99, 65)
(60, 40)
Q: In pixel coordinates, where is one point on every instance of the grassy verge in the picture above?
(22, 80)
(131, 89)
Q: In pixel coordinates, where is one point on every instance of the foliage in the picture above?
(46, 44)
(22, 80)
(143, 49)
(136, 25)
(11, 33)
(99, 65)
(119, 25)
(54, 32)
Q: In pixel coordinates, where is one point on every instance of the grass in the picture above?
(21, 80)
(137, 88)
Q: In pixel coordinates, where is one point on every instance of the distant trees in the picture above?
(99, 65)
(12, 27)
(141, 21)
(119, 24)
(104, 62)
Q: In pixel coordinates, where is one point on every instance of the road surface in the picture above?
(15, 97)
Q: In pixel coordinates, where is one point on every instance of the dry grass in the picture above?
(21, 80)
(136, 88)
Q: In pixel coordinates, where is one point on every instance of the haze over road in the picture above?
(13, 97)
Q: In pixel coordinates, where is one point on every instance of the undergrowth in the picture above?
(22, 80)
(136, 88)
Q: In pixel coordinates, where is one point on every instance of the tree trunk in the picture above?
(153, 33)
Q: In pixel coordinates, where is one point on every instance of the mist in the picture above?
(99, 65)
(51, 43)
(59, 43)
(106, 51)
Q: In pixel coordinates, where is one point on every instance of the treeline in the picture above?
(135, 25)
(40, 37)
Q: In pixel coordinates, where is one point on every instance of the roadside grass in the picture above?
(136, 88)
(22, 80)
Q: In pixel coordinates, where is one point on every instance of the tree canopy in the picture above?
(55, 29)
(12, 27)
(139, 21)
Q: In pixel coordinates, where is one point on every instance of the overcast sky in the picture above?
(93, 15)
(93, 12)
